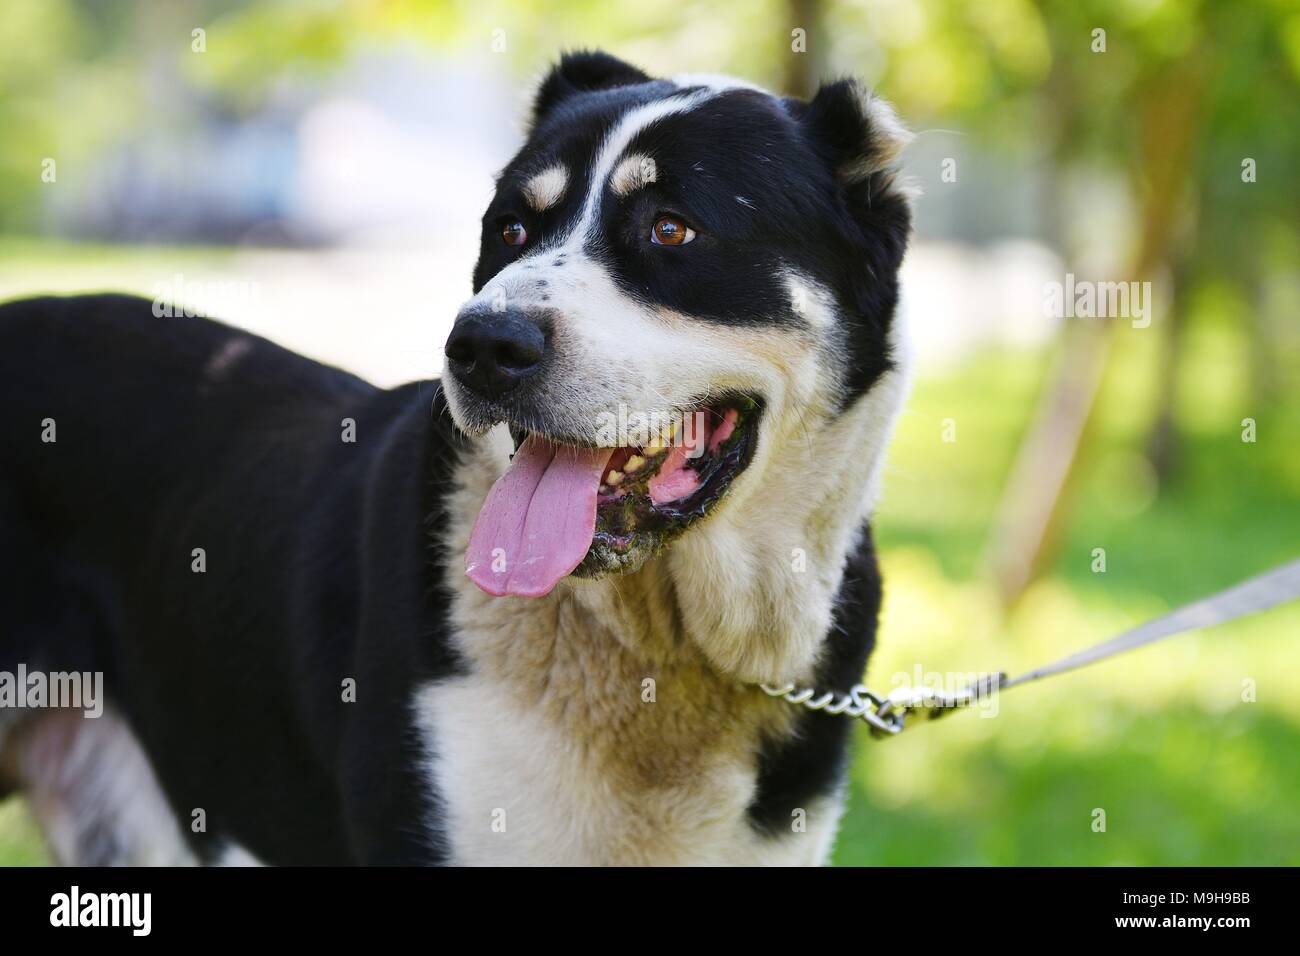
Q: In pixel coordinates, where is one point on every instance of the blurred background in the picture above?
(315, 171)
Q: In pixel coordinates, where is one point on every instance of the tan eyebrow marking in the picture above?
(633, 172)
(545, 189)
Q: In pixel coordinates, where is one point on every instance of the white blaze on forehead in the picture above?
(615, 145)
(633, 172)
(546, 188)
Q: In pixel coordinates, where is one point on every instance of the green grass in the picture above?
(1179, 786)
(20, 842)
(1186, 771)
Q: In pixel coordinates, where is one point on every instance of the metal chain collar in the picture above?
(887, 716)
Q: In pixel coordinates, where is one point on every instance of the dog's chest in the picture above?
(549, 754)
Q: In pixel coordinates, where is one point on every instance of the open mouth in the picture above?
(565, 508)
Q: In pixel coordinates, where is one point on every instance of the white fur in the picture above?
(232, 854)
(93, 792)
(632, 173)
(520, 791)
(545, 189)
(809, 300)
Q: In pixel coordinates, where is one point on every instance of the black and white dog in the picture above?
(518, 616)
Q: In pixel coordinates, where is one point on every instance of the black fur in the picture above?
(584, 71)
(319, 567)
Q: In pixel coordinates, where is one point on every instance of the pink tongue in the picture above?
(537, 522)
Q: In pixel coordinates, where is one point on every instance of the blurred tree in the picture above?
(805, 66)
(1180, 94)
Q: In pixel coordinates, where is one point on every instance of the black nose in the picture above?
(492, 352)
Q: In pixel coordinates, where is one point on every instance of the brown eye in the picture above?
(514, 233)
(671, 231)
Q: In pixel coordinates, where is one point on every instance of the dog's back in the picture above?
(180, 503)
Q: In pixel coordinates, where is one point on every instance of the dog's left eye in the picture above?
(513, 233)
(671, 231)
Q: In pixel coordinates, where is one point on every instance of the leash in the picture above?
(887, 716)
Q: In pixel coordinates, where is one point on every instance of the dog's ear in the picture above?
(582, 72)
(858, 131)
(860, 138)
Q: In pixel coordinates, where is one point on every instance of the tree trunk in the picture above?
(1031, 516)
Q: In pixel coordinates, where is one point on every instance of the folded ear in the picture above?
(859, 132)
(582, 72)
(859, 137)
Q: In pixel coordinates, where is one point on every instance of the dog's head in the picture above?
(679, 282)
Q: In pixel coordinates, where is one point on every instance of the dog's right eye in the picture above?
(671, 231)
(513, 233)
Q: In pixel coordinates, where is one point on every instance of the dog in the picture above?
(520, 615)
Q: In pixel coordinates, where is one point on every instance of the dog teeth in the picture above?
(663, 439)
(633, 464)
(614, 479)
